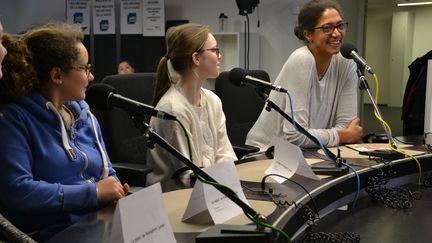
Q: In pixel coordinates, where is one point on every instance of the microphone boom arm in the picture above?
(153, 138)
(338, 170)
(272, 105)
(365, 86)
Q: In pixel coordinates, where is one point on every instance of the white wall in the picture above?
(278, 18)
(19, 15)
(422, 39)
(377, 48)
(276, 30)
(414, 41)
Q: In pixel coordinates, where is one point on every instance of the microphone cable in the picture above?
(392, 197)
(295, 126)
(325, 152)
(312, 216)
(250, 217)
(292, 181)
(226, 188)
(187, 138)
(419, 179)
(395, 197)
(358, 182)
(258, 15)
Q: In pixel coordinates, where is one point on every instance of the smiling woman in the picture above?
(322, 84)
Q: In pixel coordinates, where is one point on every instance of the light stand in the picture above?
(258, 233)
(338, 170)
(428, 109)
(382, 153)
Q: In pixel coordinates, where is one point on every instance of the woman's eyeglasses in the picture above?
(215, 50)
(87, 68)
(329, 28)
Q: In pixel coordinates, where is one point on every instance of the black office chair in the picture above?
(125, 143)
(242, 106)
(10, 233)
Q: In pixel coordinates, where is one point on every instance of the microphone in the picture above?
(349, 51)
(239, 77)
(104, 97)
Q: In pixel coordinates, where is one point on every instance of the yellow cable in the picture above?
(412, 157)
(390, 131)
(376, 88)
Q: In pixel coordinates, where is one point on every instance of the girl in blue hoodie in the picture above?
(54, 165)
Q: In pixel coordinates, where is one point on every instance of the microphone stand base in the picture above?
(330, 171)
(227, 233)
(383, 153)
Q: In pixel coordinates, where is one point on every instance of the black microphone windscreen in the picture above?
(237, 76)
(346, 50)
(97, 96)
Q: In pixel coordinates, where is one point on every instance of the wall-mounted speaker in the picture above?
(246, 6)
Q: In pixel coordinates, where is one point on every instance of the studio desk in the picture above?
(330, 194)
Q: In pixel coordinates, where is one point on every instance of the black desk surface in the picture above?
(375, 222)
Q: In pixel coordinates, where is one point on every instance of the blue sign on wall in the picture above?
(104, 25)
(131, 18)
(78, 18)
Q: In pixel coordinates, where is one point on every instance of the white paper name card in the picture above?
(142, 218)
(289, 160)
(207, 204)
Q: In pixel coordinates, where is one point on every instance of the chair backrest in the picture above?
(124, 141)
(241, 105)
(10, 233)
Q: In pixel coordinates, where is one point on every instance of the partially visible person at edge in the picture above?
(192, 56)
(322, 83)
(54, 165)
(3, 50)
(124, 67)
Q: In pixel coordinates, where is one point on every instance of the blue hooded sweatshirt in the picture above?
(48, 172)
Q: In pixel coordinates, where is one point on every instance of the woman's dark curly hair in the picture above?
(53, 45)
(18, 75)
